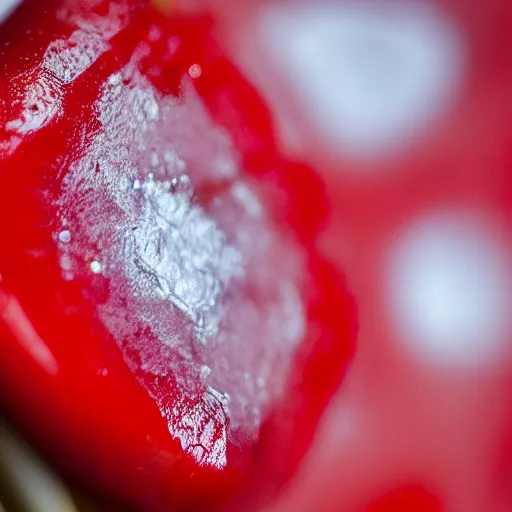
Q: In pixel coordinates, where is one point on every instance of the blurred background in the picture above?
(405, 107)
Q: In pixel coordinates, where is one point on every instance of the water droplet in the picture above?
(65, 236)
(96, 266)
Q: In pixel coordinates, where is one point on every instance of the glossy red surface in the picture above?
(168, 334)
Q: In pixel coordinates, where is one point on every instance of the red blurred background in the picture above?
(405, 107)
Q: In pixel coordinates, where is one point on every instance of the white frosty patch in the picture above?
(64, 61)
(69, 58)
(41, 103)
(181, 303)
(184, 252)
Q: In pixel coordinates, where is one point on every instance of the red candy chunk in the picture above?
(168, 334)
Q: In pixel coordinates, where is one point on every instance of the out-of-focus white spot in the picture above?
(370, 74)
(449, 285)
(6, 7)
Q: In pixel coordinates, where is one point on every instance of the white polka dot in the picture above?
(449, 285)
(371, 74)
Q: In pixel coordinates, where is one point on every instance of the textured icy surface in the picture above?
(186, 286)
(69, 58)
